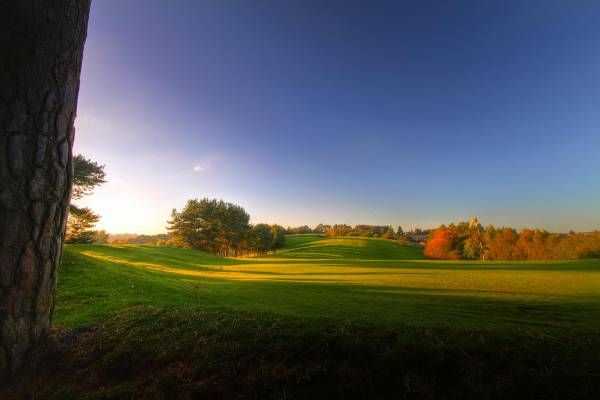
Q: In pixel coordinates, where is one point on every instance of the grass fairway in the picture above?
(322, 318)
(357, 280)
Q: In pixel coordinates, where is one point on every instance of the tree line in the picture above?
(224, 229)
(133, 238)
(470, 240)
(363, 230)
(221, 228)
(378, 231)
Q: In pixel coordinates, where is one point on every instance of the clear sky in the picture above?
(413, 113)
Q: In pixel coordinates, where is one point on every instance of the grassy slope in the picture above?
(345, 318)
(318, 247)
(360, 280)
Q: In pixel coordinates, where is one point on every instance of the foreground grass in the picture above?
(323, 318)
(149, 353)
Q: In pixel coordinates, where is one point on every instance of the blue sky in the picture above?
(413, 113)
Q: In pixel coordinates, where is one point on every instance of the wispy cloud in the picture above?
(205, 164)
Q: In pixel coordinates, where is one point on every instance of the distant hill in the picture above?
(314, 246)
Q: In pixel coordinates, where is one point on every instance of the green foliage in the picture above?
(221, 228)
(376, 231)
(87, 175)
(133, 238)
(299, 230)
(474, 243)
(321, 228)
(278, 232)
(80, 225)
(260, 238)
(211, 225)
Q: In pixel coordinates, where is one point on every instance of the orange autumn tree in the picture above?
(469, 240)
(442, 244)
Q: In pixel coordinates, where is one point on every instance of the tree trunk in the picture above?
(41, 48)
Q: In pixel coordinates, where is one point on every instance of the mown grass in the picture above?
(348, 248)
(322, 318)
(363, 286)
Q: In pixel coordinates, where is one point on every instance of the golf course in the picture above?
(299, 200)
(368, 312)
(359, 280)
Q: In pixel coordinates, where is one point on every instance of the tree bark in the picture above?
(41, 48)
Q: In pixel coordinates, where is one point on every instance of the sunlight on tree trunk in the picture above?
(41, 50)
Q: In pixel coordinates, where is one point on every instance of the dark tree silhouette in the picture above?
(41, 48)
(87, 175)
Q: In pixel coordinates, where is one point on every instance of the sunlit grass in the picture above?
(317, 247)
(477, 282)
(357, 281)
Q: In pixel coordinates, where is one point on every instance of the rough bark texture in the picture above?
(41, 48)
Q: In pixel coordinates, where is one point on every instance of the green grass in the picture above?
(320, 319)
(367, 281)
(348, 249)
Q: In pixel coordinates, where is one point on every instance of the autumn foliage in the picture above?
(472, 241)
(442, 244)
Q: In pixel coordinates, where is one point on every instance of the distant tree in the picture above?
(441, 244)
(278, 232)
(321, 228)
(339, 230)
(211, 225)
(389, 233)
(361, 230)
(80, 226)
(260, 238)
(474, 245)
(101, 237)
(400, 231)
(174, 241)
(469, 240)
(299, 230)
(500, 244)
(132, 238)
(356, 230)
